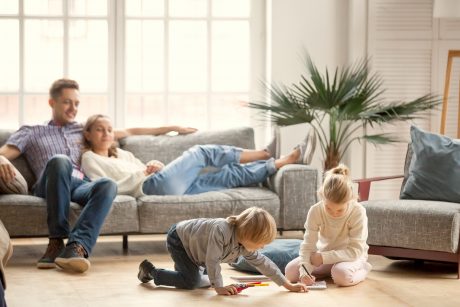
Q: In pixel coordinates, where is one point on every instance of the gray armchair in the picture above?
(411, 229)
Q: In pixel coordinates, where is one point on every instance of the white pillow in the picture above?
(17, 186)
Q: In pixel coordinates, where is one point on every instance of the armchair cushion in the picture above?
(434, 172)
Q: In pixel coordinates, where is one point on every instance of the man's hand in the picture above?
(153, 166)
(185, 130)
(7, 172)
(316, 259)
(295, 287)
(306, 280)
(227, 290)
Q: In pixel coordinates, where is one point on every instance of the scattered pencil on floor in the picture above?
(241, 286)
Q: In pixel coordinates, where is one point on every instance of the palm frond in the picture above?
(285, 109)
(400, 111)
(381, 138)
(350, 98)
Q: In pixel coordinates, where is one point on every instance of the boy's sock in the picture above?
(146, 271)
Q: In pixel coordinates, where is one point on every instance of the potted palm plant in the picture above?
(338, 107)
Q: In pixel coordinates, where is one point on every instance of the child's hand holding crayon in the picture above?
(230, 290)
(227, 290)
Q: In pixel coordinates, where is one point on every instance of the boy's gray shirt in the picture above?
(208, 242)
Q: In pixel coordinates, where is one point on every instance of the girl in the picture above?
(181, 176)
(335, 235)
(205, 243)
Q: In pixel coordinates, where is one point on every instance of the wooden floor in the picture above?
(111, 281)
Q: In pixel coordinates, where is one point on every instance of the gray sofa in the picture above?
(292, 191)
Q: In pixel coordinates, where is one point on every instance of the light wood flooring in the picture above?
(112, 281)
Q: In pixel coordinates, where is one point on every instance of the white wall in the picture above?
(320, 26)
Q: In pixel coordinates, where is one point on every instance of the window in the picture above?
(143, 62)
(46, 40)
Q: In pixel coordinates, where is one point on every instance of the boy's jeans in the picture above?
(183, 175)
(187, 275)
(59, 187)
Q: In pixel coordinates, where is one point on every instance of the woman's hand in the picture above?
(316, 259)
(295, 287)
(153, 166)
(227, 290)
(185, 130)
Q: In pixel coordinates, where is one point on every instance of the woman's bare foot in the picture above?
(291, 158)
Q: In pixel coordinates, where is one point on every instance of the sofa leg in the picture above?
(125, 242)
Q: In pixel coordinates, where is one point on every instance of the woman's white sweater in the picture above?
(126, 170)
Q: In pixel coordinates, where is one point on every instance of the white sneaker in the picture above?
(273, 148)
(307, 148)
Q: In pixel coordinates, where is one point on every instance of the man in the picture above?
(53, 152)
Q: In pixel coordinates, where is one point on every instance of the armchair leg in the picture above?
(458, 265)
(125, 242)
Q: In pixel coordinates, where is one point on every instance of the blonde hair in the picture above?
(337, 185)
(88, 125)
(255, 225)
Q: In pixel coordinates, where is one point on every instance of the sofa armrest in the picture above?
(364, 185)
(296, 186)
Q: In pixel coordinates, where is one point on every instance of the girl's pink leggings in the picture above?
(343, 273)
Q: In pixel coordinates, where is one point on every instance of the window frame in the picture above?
(116, 21)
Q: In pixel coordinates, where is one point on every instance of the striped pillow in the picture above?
(17, 186)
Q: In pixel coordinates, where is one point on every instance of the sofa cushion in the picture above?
(434, 173)
(20, 163)
(122, 218)
(280, 251)
(25, 215)
(166, 148)
(16, 186)
(415, 224)
(158, 213)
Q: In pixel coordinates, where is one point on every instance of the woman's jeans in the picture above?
(187, 274)
(59, 187)
(183, 175)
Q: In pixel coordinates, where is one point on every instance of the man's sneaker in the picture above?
(55, 247)
(73, 258)
(146, 269)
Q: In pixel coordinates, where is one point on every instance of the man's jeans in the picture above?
(187, 274)
(183, 175)
(59, 187)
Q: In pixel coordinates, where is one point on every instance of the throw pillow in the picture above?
(280, 251)
(434, 172)
(17, 186)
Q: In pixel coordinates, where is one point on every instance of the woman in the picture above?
(237, 167)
